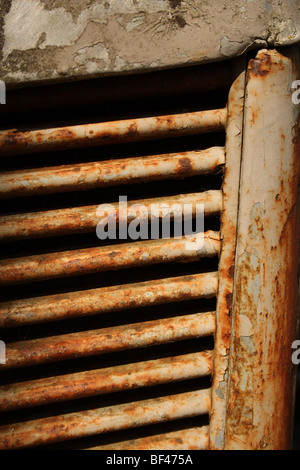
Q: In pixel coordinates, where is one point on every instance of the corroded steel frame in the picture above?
(252, 403)
(260, 399)
(251, 399)
(230, 189)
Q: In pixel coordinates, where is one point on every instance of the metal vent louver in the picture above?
(109, 345)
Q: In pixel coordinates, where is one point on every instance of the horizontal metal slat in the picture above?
(131, 130)
(92, 260)
(186, 439)
(88, 176)
(102, 381)
(85, 219)
(107, 299)
(84, 176)
(97, 421)
(107, 340)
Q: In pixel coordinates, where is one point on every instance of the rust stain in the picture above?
(107, 419)
(92, 260)
(187, 439)
(185, 165)
(12, 138)
(132, 130)
(234, 133)
(64, 134)
(102, 381)
(260, 67)
(110, 172)
(231, 271)
(229, 298)
(107, 340)
(266, 287)
(105, 299)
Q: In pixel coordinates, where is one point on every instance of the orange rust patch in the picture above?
(132, 130)
(13, 138)
(231, 271)
(185, 165)
(260, 67)
(229, 298)
(64, 134)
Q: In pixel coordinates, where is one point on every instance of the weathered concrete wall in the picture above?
(58, 39)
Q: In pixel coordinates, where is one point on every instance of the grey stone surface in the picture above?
(45, 40)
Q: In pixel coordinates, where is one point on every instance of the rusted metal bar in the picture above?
(92, 260)
(107, 340)
(96, 134)
(186, 439)
(85, 219)
(260, 401)
(101, 420)
(84, 176)
(234, 135)
(109, 380)
(107, 299)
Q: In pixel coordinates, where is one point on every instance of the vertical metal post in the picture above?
(230, 189)
(261, 372)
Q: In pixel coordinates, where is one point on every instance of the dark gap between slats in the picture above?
(128, 434)
(101, 401)
(108, 320)
(86, 114)
(31, 247)
(107, 278)
(114, 111)
(112, 152)
(128, 356)
(134, 192)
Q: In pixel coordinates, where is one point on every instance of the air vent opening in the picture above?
(61, 318)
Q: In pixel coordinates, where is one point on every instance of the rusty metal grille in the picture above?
(109, 344)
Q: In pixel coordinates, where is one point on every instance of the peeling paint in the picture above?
(96, 52)
(227, 259)
(145, 34)
(266, 286)
(245, 327)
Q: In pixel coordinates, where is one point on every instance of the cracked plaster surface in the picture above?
(45, 40)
